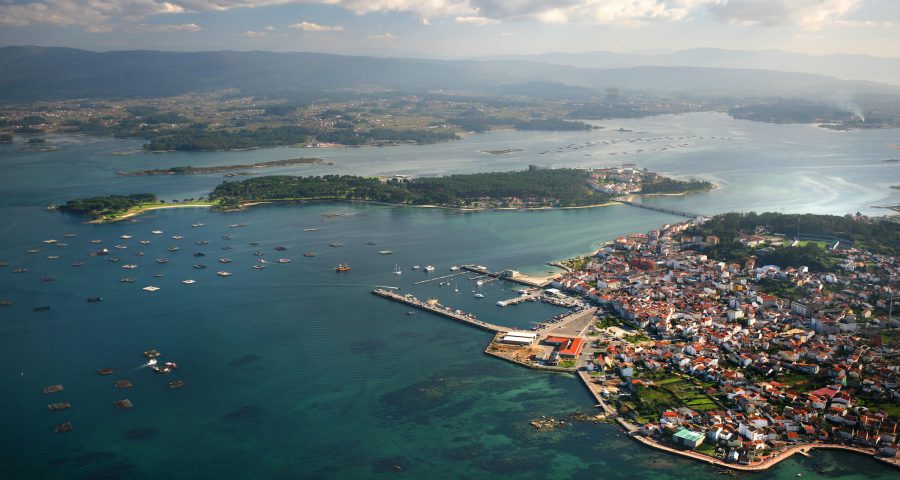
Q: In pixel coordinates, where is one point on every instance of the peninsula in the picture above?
(735, 364)
(534, 188)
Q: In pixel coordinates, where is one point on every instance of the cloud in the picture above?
(258, 33)
(153, 28)
(480, 21)
(315, 27)
(383, 36)
(808, 14)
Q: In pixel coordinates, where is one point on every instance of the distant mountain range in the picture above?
(40, 73)
(847, 67)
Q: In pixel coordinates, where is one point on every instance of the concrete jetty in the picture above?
(435, 307)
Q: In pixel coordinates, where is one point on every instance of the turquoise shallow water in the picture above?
(293, 371)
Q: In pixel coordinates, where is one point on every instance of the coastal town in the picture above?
(691, 355)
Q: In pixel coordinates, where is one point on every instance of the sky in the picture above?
(457, 28)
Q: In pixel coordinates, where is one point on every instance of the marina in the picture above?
(435, 307)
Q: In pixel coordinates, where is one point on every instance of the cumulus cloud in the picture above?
(383, 36)
(258, 33)
(91, 14)
(315, 27)
(153, 28)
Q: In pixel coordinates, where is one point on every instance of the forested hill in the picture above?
(531, 188)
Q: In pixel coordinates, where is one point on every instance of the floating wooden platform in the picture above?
(126, 403)
(152, 353)
(123, 384)
(53, 407)
(177, 384)
(105, 371)
(53, 389)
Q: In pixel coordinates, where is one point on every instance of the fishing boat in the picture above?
(125, 237)
(335, 244)
(310, 229)
(479, 295)
(157, 232)
(429, 268)
(129, 266)
(201, 242)
(224, 260)
(50, 241)
(309, 254)
(195, 225)
(96, 241)
(177, 237)
(162, 260)
(284, 260)
(199, 266)
(172, 249)
(343, 267)
(150, 288)
(397, 270)
(223, 274)
(188, 282)
(259, 267)
(385, 252)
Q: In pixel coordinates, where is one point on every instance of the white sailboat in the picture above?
(397, 270)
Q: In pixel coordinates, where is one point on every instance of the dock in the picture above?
(520, 279)
(437, 278)
(595, 390)
(670, 211)
(435, 307)
(531, 297)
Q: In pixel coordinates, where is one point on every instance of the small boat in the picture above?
(201, 242)
(335, 244)
(165, 368)
(188, 282)
(415, 267)
(144, 242)
(284, 260)
(309, 254)
(454, 268)
(52, 257)
(129, 266)
(280, 248)
(238, 225)
(343, 267)
(385, 252)
(226, 247)
(78, 264)
(126, 237)
(41, 308)
(96, 241)
(63, 427)
(195, 225)
(479, 283)
(94, 299)
(69, 235)
(259, 254)
(150, 288)
(126, 280)
(120, 247)
(223, 274)
(177, 384)
(224, 260)
(19, 270)
(429, 268)
(310, 229)
(259, 267)
(5, 303)
(157, 232)
(254, 243)
(479, 295)
(33, 250)
(226, 237)
(159, 275)
(199, 266)
(177, 237)
(410, 312)
(397, 270)
(102, 251)
(105, 371)
(199, 254)
(138, 254)
(49, 241)
(48, 279)
(172, 249)
(162, 260)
